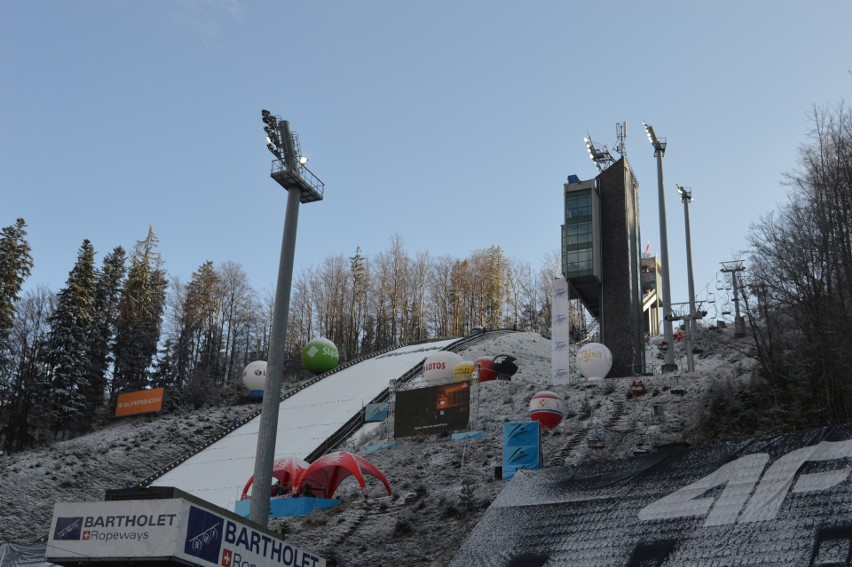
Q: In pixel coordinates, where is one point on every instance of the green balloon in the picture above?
(320, 355)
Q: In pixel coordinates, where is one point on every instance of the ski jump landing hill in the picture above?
(311, 422)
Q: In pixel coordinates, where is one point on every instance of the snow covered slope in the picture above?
(306, 419)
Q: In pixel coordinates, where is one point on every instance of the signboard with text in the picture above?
(145, 531)
(142, 401)
(434, 409)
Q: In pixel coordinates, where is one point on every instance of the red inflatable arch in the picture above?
(324, 475)
(285, 470)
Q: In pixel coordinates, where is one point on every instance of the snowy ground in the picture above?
(306, 419)
(441, 487)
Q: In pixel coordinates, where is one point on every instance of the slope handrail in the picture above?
(356, 421)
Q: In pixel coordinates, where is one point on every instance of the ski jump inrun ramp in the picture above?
(305, 420)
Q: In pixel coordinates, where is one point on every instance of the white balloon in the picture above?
(438, 367)
(594, 360)
(254, 375)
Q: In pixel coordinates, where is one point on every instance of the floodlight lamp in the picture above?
(685, 193)
(265, 113)
(274, 149)
(303, 160)
(652, 137)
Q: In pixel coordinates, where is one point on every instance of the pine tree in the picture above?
(110, 280)
(68, 344)
(201, 311)
(140, 314)
(357, 302)
(15, 266)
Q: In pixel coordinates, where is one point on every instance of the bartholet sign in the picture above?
(156, 530)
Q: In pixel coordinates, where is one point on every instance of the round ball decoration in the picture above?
(439, 366)
(463, 371)
(505, 365)
(320, 355)
(254, 378)
(546, 408)
(594, 360)
(486, 368)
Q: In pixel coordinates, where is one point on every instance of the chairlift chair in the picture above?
(595, 440)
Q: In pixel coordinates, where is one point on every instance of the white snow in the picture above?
(306, 419)
(426, 519)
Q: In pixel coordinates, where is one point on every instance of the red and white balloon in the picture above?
(546, 408)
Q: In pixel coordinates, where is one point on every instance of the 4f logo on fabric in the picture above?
(748, 497)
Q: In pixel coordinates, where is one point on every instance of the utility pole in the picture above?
(733, 267)
(289, 171)
(691, 325)
(659, 151)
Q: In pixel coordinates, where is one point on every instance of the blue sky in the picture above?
(452, 124)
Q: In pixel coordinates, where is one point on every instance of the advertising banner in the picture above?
(521, 447)
(779, 501)
(153, 530)
(141, 528)
(436, 409)
(560, 331)
(376, 412)
(143, 401)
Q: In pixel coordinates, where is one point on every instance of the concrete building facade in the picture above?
(601, 259)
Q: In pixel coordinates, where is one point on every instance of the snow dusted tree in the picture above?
(69, 344)
(440, 296)
(235, 320)
(390, 296)
(140, 315)
(418, 280)
(202, 308)
(799, 293)
(358, 303)
(211, 333)
(300, 322)
(110, 279)
(489, 280)
(15, 266)
(518, 286)
(23, 394)
(332, 284)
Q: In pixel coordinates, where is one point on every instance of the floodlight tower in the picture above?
(691, 325)
(659, 151)
(686, 199)
(302, 186)
(602, 158)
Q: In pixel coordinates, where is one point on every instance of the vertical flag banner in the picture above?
(559, 332)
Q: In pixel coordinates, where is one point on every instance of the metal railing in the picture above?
(347, 429)
(279, 168)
